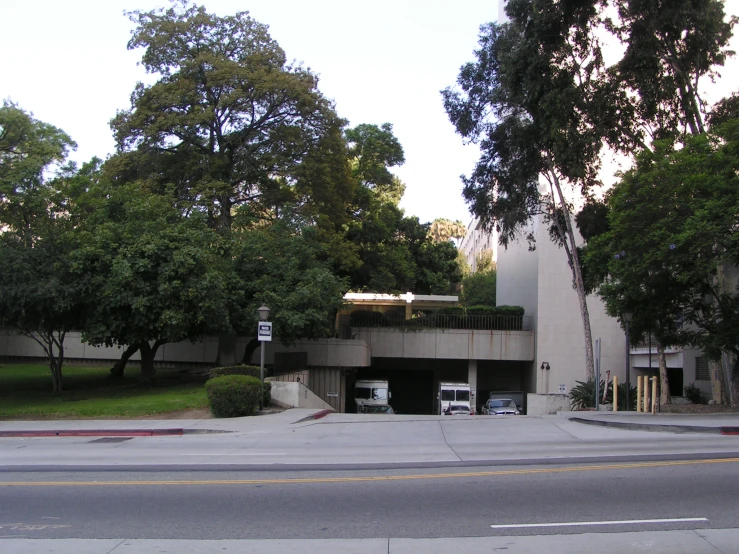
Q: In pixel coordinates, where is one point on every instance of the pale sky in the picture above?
(380, 61)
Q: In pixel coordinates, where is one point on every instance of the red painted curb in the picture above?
(730, 430)
(95, 433)
(322, 413)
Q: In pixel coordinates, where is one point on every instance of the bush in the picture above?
(233, 395)
(622, 397)
(582, 395)
(693, 394)
(509, 310)
(248, 370)
(451, 310)
(267, 396)
(481, 310)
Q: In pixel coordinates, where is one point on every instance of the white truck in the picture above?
(371, 393)
(457, 394)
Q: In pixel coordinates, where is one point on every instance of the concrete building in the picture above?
(478, 242)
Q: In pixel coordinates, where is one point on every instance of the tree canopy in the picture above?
(229, 123)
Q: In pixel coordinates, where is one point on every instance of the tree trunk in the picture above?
(577, 279)
(664, 383)
(249, 351)
(48, 342)
(116, 372)
(148, 352)
(718, 387)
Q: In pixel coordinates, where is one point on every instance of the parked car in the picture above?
(458, 409)
(500, 406)
(378, 410)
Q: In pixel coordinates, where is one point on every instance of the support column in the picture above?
(472, 380)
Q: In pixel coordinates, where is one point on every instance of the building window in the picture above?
(701, 370)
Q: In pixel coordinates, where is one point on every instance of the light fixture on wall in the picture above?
(545, 365)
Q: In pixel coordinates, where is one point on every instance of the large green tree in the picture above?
(228, 122)
(671, 249)
(153, 276)
(37, 296)
(529, 100)
(285, 267)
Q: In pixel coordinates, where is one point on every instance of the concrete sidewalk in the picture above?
(702, 541)
(717, 424)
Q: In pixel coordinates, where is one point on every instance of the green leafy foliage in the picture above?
(582, 395)
(249, 370)
(229, 123)
(233, 395)
(152, 275)
(694, 394)
(479, 288)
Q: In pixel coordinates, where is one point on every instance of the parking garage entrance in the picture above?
(413, 383)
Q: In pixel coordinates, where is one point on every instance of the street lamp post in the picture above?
(627, 319)
(263, 315)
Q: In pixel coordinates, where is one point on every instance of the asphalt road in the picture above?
(460, 502)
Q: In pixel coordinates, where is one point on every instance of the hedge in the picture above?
(233, 395)
(249, 371)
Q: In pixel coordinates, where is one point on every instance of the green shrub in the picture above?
(233, 395)
(693, 394)
(622, 397)
(481, 310)
(250, 370)
(509, 310)
(582, 395)
(451, 310)
(267, 397)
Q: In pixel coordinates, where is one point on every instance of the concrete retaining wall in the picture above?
(546, 404)
(296, 395)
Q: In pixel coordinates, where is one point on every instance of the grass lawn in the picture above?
(25, 391)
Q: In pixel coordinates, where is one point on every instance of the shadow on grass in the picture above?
(25, 390)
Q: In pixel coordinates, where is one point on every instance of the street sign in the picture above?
(264, 331)
(332, 394)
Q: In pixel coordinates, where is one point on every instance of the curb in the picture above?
(679, 429)
(96, 433)
(318, 415)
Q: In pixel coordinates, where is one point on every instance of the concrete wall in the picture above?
(450, 344)
(546, 404)
(541, 282)
(296, 395)
(517, 277)
(321, 353)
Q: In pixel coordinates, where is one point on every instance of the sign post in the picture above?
(264, 334)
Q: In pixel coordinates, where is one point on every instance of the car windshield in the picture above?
(460, 409)
(502, 404)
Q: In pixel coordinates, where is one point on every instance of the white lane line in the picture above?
(584, 523)
(238, 454)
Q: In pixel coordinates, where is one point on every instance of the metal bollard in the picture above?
(646, 394)
(654, 395)
(638, 393)
(615, 393)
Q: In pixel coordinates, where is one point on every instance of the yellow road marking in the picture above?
(373, 478)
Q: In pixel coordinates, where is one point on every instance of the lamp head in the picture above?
(263, 312)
